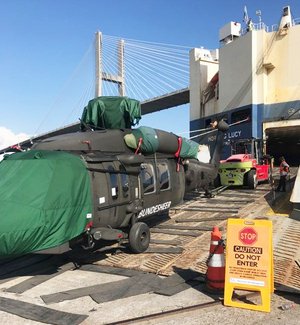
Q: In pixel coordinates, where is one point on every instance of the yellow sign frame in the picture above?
(249, 262)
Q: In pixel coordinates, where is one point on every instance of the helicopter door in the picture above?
(121, 191)
(112, 195)
(148, 184)
(160, 190)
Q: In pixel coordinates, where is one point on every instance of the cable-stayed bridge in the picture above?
(156, 74)
(137, 69)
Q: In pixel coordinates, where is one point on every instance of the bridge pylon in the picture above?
(106, 76)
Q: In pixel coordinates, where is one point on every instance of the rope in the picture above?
(80, 78)
(138, 146)
(214, 130)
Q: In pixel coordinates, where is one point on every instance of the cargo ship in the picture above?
(252, 81)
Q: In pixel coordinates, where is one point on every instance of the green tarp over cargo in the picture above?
(111, 113)
(152, 142)
(45, 200)
(189, 149)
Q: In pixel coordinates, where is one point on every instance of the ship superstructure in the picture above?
(252, 81)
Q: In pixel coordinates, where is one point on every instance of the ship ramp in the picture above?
(283, 139)
(295, 198)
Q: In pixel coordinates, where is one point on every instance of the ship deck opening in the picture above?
(284, 141)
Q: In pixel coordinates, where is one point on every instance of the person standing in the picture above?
(283, 170)
(249, 25)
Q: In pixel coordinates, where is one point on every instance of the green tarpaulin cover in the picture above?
(111, 113)
(150, 141)
(45, 200)
(189, 149)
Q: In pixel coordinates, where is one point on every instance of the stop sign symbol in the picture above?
(248, 236)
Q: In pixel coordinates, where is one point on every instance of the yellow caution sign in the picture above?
(249, 262)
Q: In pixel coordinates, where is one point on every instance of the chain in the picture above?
(221, 242)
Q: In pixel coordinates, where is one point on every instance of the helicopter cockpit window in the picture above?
(113, 183)
(125, 185)
(163, 176)
(148, 179)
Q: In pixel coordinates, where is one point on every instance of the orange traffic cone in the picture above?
(215, 275)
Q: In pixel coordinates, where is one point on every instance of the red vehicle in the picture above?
(246, 166)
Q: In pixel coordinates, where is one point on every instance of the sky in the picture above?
(42, 42)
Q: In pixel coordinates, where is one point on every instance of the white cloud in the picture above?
(8, 138)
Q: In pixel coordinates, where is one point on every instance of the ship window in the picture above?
(207, 122)
(241, 115)
(223, 117)
(163, 176)
(125, 184)
(148, 179)
(113, 183)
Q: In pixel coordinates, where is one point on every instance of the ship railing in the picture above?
(272, 28)
(258, 26)
(296, 21)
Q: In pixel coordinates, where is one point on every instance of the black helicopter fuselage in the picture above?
(99, 183)
(128, 186)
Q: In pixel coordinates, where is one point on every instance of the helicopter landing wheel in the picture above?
(139, 237)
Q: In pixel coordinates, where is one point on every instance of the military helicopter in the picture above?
(100, 183)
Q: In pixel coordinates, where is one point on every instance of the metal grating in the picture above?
(250, 204)
(287, 236)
